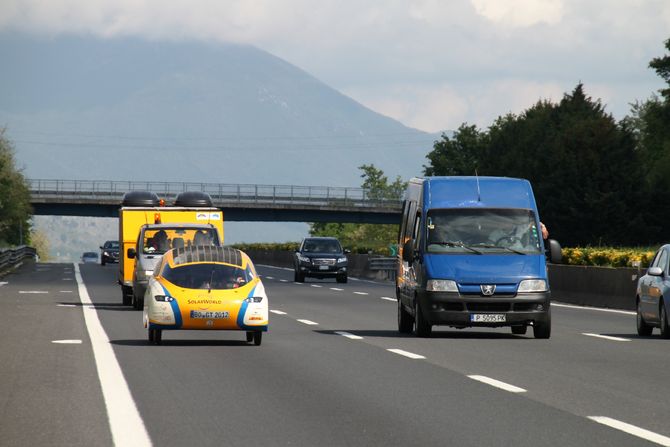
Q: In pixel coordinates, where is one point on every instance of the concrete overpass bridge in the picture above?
(239, 202)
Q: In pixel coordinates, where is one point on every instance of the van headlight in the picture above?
(532, 285)
(441, 285)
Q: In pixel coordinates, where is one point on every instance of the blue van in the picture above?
(472, 254)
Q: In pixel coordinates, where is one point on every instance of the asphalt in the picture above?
(335, 382)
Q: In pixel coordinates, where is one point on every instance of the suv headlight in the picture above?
(303, 258)
(342, 259)
(441, 285)
(532, 285)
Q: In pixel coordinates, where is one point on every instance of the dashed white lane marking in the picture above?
(336, 289)
(67, 279)
(606, 337)
(66, 305)
(125, 422)
(407, 354)
(348, 335)
(33, 291)
(308, 322)
(283, 280)
(316, 285)
(65, 291)
(361, 293)
(269, 277)
(632, 430)
(2, 283)
(498, 384)
(388, 298)
(299, 283)
(278, 312)
(599, 309)
(67, 342)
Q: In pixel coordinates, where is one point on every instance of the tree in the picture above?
(15, 207)
(458, 155)
(662, 67)
(363, 237)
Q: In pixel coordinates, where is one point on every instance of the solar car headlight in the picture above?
(342, 259)
(441, 285)
(532, 285)
(254, 299)
(163, 298)
(303, 258)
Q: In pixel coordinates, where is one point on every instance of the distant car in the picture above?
(653, 289)
(109, 252)
(89, 257)
(320, 257)
(205, 287)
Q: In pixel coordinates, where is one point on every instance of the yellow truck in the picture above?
(140, 208)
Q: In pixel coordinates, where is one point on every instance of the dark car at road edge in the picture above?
(320, 257)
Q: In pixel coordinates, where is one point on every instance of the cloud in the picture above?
(520, 13)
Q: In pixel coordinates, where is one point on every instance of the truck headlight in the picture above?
(441, 285)
(532, 285)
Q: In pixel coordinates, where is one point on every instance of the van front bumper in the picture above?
(454, 309)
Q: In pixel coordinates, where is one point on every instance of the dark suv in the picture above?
(109, 252)
(320, 257)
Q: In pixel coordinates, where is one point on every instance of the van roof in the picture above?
(478, 192)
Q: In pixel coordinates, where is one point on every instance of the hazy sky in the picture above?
(432, 64)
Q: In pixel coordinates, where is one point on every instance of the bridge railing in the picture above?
(221, 193)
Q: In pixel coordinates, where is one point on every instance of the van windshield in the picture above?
(482, 230)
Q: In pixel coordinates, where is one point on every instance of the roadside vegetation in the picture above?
(15, 210)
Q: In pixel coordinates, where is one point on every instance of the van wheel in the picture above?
(643, 329)
(258, 337)
(519, 330)
(422, 328)
(665, 330)
(543, 329)
(138, 303)
(405, 320)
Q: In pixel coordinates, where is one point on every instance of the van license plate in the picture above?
(487, 318)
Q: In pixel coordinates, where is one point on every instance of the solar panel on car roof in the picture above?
(207, 254)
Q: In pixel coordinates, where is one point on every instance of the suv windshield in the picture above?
(207, 276)
(160, 241)
(321, 246)
(484, 230)
(112, 244)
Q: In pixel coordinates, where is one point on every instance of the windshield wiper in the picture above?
(457, 244)
(503, 248)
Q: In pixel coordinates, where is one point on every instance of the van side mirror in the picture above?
(655, 271)
(408, 251)
(555, 255)
(131, 253)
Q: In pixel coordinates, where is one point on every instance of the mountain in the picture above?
(132, 109)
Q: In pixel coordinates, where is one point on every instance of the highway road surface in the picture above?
(76, 370)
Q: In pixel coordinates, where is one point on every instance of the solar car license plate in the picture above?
(487, 318)
(208, 314)
(323, 267)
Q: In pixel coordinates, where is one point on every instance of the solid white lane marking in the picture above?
(67, 342)
(66, 305)
(125, 422)
(269, 277)
(348, 335)
(336, 289)
(606, 337)
(361, 293)
(274, 267)
(33, 291)
(407, 354)
(388, 298)
(498, 384)
(599, 309)
(311, 323)
(278, 312)
(283, 280)
(632, 430)
(316, 285)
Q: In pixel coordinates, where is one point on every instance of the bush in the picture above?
(608, 256)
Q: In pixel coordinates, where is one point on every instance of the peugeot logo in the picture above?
(488, 289)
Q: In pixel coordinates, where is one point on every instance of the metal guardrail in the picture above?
(389, 265)
(12, 257)
(221, 193)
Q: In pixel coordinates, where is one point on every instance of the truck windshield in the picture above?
(164, 239)
(482, 230)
